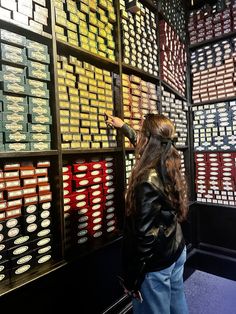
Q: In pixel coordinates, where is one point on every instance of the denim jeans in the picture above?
(163, 291)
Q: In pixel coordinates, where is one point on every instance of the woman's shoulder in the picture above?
(152, 177)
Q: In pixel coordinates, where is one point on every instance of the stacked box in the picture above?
(30, 14)
(129, 164)
(87, 24)
(139, 98)
(212, 22)
(173, 11)
(25, 217)
(173, 58)
(139, 36)
(89, 198)
(85, 93)
(214, 126)
(216, 178)
(24, 94)
(176, 110)
(213, 71)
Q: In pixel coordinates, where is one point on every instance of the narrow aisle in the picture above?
(210, 294)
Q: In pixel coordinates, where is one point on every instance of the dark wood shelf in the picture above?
(215, 151)
(212, 40)
(25, 31)
(128, 69)
(39, 153)
(64, 47)
(214, 101)
(173, 90)
(215, 205)
(34, 274)
(91, 151)
(82, 251)
(129, 149)
(182, 147)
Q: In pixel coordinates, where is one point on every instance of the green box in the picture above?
(38, 56)
(14, 107)
(15, 117)
(17, 147)
(13, 38)
(40, 146)
(13, 54)
(38, 101)
(15, 88)
(38, 70)
(40, 137)
(16, 137)
(39, 110)
(41, 119)
(13, 127)
(38, 128)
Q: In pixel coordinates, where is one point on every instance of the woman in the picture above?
(154, 250)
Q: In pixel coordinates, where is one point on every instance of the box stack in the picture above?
(30, 14)
(173, 58)
(174, 12)
(85, 93)
(139, 98)
(25, 217)
(24, 94)
(216, 178)
(139, 36)
(213, 69)
(212, 22)
(87, 24)
(215, 126)
(129, 164)
(89, 197)
(176, 110)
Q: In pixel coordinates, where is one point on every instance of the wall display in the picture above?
(213, 71)
(30, 14)
(214, 126)
(139, 98)
(25, 217)
(215, 178)
(89, 198)
(139, 37)
(62, 65)
(176, 109)
(87, 24)
(212, 22)
(24, 93)
(173, 58)
(85, 93)
(174, 11)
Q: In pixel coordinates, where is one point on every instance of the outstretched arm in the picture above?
(125, 128)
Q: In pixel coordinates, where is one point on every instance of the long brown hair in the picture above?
(155, 149)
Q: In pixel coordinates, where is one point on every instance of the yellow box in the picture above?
(84, 101)
(86, 137)
(93, 116)
(75, 107)
(93, 89)
(74, 129)
(101, 91)
(75, 145)
(84, 108)
(64, 113)
(92, 96)
(74, 121)
(65, 145)
(79, 70)
(76, 137)
(74, 99)
(89, 74)
(100, 83)
(74, 114)
(64, 104)
(85, 144)
(69, 83)
(94, 130)
(94, 124)
(84, 130)
(64, 128)
(84, 116)
(95, 145)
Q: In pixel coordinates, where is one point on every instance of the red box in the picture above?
(84, 167)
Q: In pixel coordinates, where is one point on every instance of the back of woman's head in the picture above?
(155, 150)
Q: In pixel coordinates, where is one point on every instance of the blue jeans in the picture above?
(163, 291)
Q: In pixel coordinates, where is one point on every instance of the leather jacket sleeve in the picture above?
(139, 234)
(130, 133)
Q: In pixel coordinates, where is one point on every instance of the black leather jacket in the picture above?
(153, 238)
